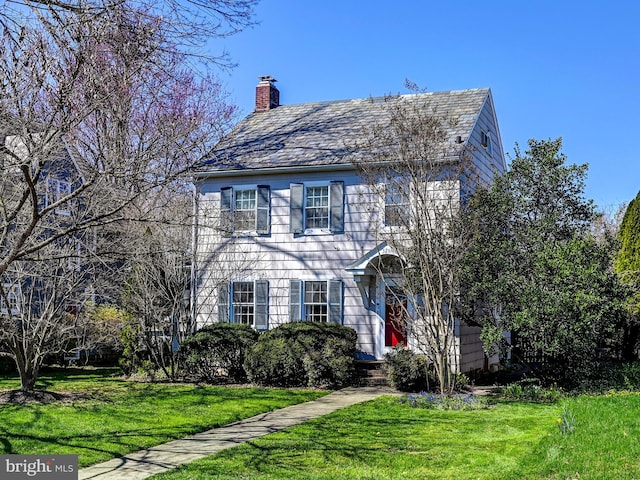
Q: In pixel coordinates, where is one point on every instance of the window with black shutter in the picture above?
(316, 207)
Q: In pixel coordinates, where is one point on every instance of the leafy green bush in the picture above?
(332, 366)
(303, 354)
(408, 371)
(217, 352)
(612, 376)
(275, 362)
(530, 390)
(630, 373)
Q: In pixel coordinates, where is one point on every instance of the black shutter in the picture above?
(263, 213)
(335, 301)
(261, 305)
(336, 214)
(226, 211)
(296, 218)
(223, 303)
(295, 300)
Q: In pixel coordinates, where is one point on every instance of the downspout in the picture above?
(194, 253)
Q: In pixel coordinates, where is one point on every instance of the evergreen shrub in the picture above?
(407, 371)
(302, 354)
(217, 352)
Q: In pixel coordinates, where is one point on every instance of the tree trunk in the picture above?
(629, 341)
(28, 371)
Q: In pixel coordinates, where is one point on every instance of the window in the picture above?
(317, 207)
(396, 206)
(485, 141)
(245, 209)
(244, 302)
(56, 191)
(315, 300)
(10, 299)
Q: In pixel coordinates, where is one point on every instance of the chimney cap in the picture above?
(267, 78)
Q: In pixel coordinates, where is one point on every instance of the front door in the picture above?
(395, 318)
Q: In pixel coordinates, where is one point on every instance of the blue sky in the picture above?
(556, 68)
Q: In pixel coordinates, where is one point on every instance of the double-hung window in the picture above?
(244, 203)
(396, 205)
(56, 191)
(244, 302)
(315, 300)
(246, 209)
(317, 207)
(10, 299)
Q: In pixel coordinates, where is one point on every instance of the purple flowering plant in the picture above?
(437, 401)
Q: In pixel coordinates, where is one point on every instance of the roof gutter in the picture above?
(338, 167)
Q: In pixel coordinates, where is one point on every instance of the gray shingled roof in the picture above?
(314, 134)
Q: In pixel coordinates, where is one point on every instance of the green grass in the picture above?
(604, 444)
(118, 416)
(385, 440)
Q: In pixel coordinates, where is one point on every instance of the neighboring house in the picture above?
(53, 180)
(283, 233)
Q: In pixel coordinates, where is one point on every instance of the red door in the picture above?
(395, 325)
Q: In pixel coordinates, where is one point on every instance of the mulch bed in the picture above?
(19, 397)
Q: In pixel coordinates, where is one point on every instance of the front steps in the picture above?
(371, 373)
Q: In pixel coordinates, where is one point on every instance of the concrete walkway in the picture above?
(143, 464)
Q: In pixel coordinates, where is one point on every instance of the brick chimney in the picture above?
(267, 95)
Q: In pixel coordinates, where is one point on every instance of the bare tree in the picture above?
(187, 26)
(40, 301)
(100, 118)
(416, 176)
(158, 286)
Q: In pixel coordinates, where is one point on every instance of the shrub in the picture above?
(332, 366)
(217, 352)
(275, 362)
(408, 371)
(612, 376)
(630, 373)
(530, 390)
(303, 354)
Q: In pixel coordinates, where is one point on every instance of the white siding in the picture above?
(282, 255)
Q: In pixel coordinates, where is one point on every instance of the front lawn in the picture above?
(112, 417)
(385, 440)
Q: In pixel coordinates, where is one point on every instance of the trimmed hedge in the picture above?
(303, 354)
(217, 352)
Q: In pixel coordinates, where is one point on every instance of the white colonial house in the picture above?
(284, 231)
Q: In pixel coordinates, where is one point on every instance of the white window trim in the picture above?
(327, 281)
(316, 231)
(382, 203)
(55, 183)
(243, 188)
(231, 302)
(255, 231)
(9, 290)
(258, 312)
(383, 210)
